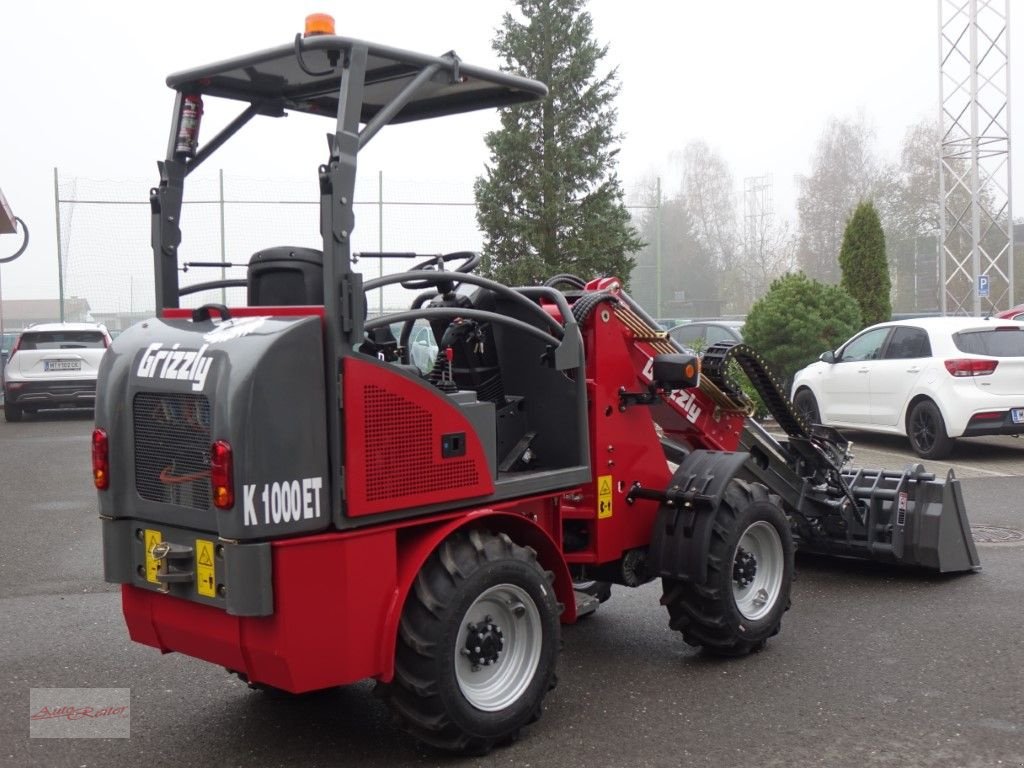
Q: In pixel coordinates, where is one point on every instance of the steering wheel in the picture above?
(469, 259)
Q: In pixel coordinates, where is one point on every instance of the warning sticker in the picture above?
(204, 568)
(604, 496)
(152, 538)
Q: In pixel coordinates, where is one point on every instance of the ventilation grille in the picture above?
(400, 452)
(172, 448)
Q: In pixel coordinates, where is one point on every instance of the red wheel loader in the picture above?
(284, 494)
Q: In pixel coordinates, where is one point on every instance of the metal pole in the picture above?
(223, 247)
(1009, 161)
(657, 250)
(941, 234)
(975, 171)
(380, 238)
(60, 254)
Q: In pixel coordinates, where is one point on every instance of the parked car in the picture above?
(701, 334)
(53, 365)
(931, 379)
(1013, 313)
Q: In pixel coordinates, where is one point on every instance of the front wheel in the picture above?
(477, 645)
(927, 431)
(807, 406)
(749, 576)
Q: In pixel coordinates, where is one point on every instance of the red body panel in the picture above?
(309, 642)
(338, 598)
(393, 431)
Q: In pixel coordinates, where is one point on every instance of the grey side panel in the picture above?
(118, 566)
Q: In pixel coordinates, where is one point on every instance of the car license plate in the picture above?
(62, 365)
(1017, 415)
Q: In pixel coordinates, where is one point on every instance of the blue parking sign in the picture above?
(983, 286)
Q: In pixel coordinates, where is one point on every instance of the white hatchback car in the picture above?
(53, 365)
(932, 379)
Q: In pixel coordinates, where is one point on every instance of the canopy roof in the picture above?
(306, 77)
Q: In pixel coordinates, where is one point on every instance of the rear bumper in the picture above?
(332, 594)
(43, 394)
(1001, 426)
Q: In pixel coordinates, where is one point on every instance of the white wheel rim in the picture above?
(758, 566)
(492, 679)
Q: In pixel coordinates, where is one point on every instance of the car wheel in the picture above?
(807, 406)
(12, 413)
(927, 431)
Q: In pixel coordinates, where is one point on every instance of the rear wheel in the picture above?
(927, 431)
(749, 576)
(807, 406)
(477, 645)
(12, 413)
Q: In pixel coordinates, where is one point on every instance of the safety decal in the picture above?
(604, 496)
(205, 575)
(151, 539)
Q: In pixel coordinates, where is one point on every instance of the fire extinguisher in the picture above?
(188, 126)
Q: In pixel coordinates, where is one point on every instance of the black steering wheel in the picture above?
(469, 259)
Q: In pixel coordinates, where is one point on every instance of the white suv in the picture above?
(53, 365)
(932, 379)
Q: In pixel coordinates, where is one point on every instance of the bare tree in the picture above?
(709, 196)
(844, 171)
(769, 252)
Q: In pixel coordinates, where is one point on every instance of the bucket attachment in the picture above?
(907, 518)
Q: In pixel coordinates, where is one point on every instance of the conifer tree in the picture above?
(550, 201)
(865, 268)
(797, 320)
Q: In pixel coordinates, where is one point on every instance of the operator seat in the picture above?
(285, 276)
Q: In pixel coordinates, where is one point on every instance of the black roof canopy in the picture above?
(306, 77)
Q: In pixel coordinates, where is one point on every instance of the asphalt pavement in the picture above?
(875, 666)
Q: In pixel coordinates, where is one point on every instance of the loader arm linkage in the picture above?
(905, 517)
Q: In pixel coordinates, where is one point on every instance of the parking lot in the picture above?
(875, 666)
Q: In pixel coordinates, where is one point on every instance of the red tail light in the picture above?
(970, 367)
(100, 459)
(17, 344)
(222, 472)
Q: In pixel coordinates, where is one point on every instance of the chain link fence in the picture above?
(107, 264)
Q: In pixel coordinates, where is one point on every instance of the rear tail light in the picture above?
(970, 367)
(17, 345)
(222, 471)
(100, 459)
(989, 416)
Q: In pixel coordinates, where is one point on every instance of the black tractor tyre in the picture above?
(807, 406)
(12, 413)
(749, 577)
(478, 644)
(926, 431)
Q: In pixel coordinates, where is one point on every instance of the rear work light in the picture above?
(970, 367)
(222, 471)
(100, 459)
